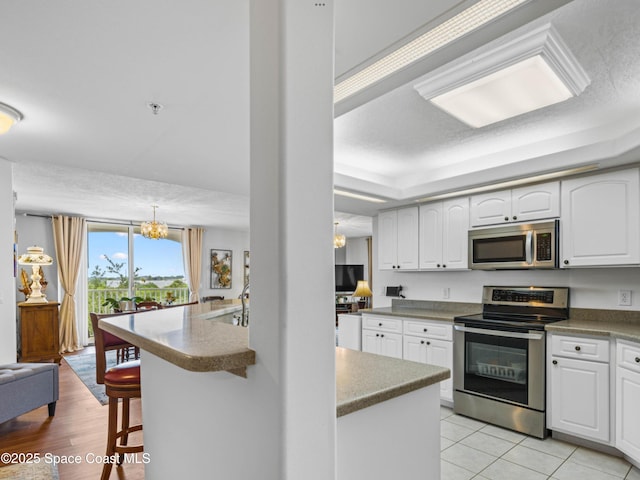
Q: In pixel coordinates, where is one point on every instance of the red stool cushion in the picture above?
(127, 373)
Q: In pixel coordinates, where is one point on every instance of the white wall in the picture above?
(220, 239)
(357, 254)
(37, 231)
(7, 284)
(590, 287)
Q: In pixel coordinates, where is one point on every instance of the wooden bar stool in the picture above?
(121, 382)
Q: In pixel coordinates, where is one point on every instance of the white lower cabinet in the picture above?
(382, 343)
(628, 398)
(434, 352)
(424, 341)
(382, 335)
(579, 387)
(431, 341)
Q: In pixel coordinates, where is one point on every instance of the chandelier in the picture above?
(154, 230)
(339, 241)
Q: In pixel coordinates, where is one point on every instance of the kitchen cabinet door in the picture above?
(387, 240)
(430, 236)
(455, 236)
(433, 352)
(443, 235)
(408, 238)
(382, 343)
(398, 239)
(535, 202)
(579, 398)
(491, 208)
(601, 220)
(628, 399)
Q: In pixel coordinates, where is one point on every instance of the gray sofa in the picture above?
(25, 386)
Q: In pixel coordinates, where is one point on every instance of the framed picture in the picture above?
(220, 268)
(246, 267)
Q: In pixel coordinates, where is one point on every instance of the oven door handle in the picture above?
(500, 333)
(529, 248)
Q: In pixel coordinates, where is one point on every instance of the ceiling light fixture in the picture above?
(464, 22)
(339, 241)
(532, 71)
(154, 230)
(359, 196)
(9, 116)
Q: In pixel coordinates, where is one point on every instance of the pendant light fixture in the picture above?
(339, 241)
(154, 230)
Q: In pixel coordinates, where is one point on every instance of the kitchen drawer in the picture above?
(585, 348)
(430, 329)
(381, 323)
(629, 355)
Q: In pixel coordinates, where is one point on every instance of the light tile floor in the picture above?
(471, 449)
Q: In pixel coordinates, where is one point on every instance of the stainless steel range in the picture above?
(499, 356)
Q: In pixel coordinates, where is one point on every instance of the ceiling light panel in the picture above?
(530, 72)
(464, 22)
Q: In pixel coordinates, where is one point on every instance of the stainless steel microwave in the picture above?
(517, 246)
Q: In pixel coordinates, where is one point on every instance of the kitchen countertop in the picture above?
(188, 336)
(619, 324)
(426, 310)
(191, 338)
(364, 379)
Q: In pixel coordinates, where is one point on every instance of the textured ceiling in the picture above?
(83, 74)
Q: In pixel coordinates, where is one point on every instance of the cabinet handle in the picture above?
(380, 324)
(444, 266)
(428, 343)
(555, 362)
(578, 348)
(377, 334)
(566, 262)
(421, 342)
(438, 265)
(424, 329)
(393, 266)
(515, 218)
(381, 335)
(637, 359)
(506, 219)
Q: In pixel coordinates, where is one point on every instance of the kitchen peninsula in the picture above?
(192, 366)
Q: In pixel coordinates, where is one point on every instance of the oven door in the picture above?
(503, 363)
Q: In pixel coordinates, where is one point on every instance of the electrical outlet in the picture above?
(445, 292)
(624, 297)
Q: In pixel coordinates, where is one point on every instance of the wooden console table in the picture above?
(39, 332)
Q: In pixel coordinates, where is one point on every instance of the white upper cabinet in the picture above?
(443, 234)
(398, 239)
(601, 220)
(534, 202)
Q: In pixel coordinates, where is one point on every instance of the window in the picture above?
(123, 263)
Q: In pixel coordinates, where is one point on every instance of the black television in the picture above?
(347, 277)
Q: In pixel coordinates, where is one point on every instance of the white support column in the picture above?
(292, 326)
(7, 280)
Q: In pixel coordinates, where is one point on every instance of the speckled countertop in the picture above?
(426, 310)
(364, 379)
(188, 337)
(622, 324)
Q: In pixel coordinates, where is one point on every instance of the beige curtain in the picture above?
(192, 256)
(69, 235)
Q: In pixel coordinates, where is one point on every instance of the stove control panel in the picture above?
(556, 297)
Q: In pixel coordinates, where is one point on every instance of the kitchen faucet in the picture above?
(244, 320)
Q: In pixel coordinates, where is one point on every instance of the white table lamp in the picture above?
(35, 257)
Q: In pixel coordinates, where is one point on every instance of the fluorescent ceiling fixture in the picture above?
(464, 22)
(358, 196)
(511, 183)
(530, 72)
(8, 118)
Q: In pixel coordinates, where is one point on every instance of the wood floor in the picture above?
(79, 428)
